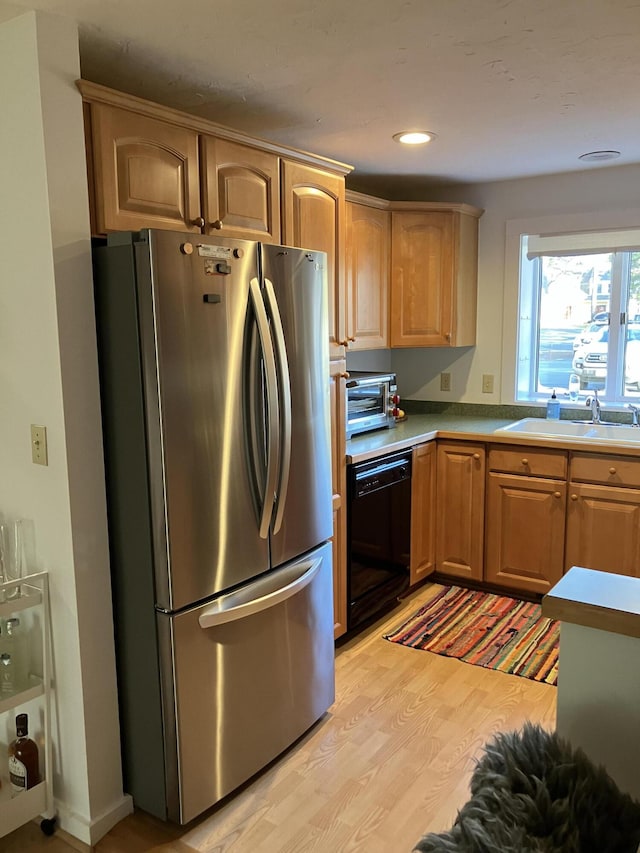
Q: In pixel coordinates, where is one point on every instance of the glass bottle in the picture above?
(23, 758)
(13, 642)
(7, 675)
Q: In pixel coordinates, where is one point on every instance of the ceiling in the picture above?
(512, 88)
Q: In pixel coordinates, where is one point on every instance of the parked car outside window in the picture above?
(586, 335)
(590, 359)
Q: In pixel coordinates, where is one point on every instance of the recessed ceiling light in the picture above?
(414, 137)
(598, 156)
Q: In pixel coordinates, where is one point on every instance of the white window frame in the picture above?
(516, 229)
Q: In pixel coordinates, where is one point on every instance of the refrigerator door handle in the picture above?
(285, 399)
(273, 412)
(238, 605)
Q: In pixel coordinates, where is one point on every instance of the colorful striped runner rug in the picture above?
(483, 629)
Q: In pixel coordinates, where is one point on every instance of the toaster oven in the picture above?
(372, 401)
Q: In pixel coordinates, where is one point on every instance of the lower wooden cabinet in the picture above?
(603, 514)
(603, 529)
(460, 509)
(338, 378)
(423, 517)
(524, 532)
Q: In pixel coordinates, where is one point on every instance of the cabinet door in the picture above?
(422, 258)
(434, 276)
(145, 173)
(368, 239)
(338, 377)
(603, 529)
(525, 532)
(241, 190)
(460, 509)
(423, 512)
(314, 218)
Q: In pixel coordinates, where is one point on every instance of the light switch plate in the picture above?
(39, 445)
(487, 383)
(445, 382)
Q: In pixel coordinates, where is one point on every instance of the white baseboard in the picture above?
(90, 831)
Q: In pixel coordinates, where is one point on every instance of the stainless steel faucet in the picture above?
(594, 403)
(634, 414)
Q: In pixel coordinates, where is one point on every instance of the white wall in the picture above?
(602, 190)
(48, 375)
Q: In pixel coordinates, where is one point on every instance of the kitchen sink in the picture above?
(609, 433)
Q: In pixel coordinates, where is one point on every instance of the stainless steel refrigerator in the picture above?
(214, 379)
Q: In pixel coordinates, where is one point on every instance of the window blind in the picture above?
(582, 243)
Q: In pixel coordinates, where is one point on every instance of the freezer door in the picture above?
(253, 671)
(204, 380)
(295, 291)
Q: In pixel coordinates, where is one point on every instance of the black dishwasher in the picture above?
(378, 535)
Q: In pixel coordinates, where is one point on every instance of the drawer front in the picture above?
(529, 461)
(610, 470)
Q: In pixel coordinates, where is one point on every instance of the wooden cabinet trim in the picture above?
(418, 206)
(96, 93)
(337, 382)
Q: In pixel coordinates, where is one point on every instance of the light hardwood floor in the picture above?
(390, 761)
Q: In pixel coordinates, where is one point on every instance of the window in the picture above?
(579, 316)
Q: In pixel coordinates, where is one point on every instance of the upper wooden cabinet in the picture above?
(368, 250)
(240, 191)
(156, 167)
(434, 268)
(313, 217)
(146, 172)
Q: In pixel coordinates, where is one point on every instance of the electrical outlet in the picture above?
(39, 445)
(445, 382)
(487, 383)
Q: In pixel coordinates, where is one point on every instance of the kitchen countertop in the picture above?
(420, 428)
(601, 600)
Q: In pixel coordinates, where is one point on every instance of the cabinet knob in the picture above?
(476, 456)
(344, 375)
(525, 461)
(447, 337)
(217, 224)
(344, 343)
(612, 470)
(198, 222)
(574, 497)
(350, 338)
(557, 495)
